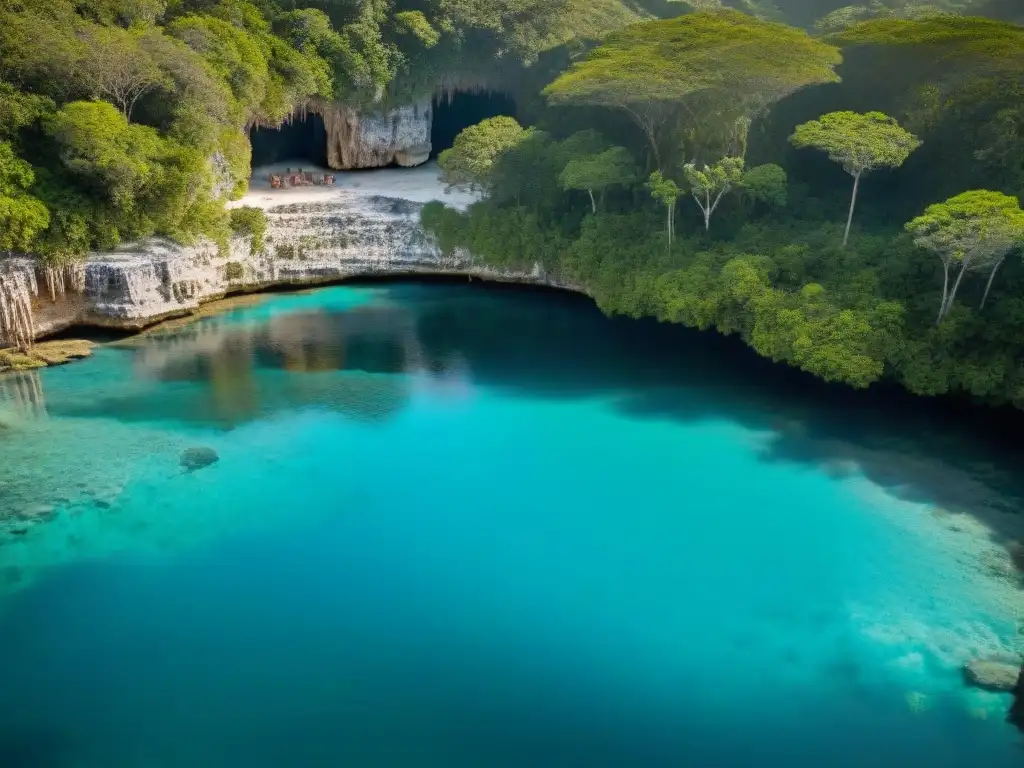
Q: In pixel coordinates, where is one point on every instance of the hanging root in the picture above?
(17, 325)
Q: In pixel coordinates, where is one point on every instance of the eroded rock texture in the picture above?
(346, 232)
(398, 136)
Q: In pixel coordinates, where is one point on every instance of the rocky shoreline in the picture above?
(313, 237)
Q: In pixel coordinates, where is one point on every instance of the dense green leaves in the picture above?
(971, 232)
(246, 221)
(468, 163)
(598, 172)
(859, 143)
(22, 217)
(667, 192)
(766, 184)
(722, 65)
(708, 184)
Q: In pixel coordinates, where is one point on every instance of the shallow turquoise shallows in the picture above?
(462, 527)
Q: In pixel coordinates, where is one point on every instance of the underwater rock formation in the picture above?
(198, 458)
(993, 674)
(1016, 715)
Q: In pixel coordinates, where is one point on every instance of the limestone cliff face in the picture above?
(354, 140)
(351, 234)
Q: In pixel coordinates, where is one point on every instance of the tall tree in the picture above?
(723, 64)
(973, 230)
(613, 167)
(120, 66)
(858, 142)
(667, 192)
(709, 184)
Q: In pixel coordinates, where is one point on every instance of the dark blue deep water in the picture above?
(457, 526)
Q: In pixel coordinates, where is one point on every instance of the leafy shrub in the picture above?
(252, 223)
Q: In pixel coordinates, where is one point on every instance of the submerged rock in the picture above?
(198, 458)
(992, 674)
(1016, 715)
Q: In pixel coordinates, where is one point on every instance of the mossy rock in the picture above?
(13, 360)
(44, 354)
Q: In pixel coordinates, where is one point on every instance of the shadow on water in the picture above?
(234, 368)
(34, 748)
(363, 362)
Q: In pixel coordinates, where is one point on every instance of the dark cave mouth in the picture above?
(300, 139)
(456, 112)
(304, 139)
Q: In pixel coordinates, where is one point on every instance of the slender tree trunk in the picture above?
(131, 106)
(853, 203)
(945, 292)
(952, 293)
(593, 204)
(647, 126)
(707, 211)
(988, 285)
(657, 152)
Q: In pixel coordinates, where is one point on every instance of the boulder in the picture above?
(198, 458)
(992, 674)
(1016, 715)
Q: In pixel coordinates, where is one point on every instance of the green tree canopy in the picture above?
(766, 184)
(973, 231)
(667, 192)
(971, 40)
(22, 217)
(723, 62)
(613, 167)
(468, 163)
(120, 66)
(859, 143)
(849, 15)
(707, 185)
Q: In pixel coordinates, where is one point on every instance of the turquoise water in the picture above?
(455, 526)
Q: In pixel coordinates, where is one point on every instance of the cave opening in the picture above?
(303, 139)
(454, 114)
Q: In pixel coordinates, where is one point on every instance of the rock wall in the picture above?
(351, 234)
(400, 136)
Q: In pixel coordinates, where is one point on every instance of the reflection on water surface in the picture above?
(498, 516)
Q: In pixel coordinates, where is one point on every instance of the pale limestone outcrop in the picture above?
(347, 232)
(35, 299)
(374, 140)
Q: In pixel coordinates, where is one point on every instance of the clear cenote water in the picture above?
(455, 526)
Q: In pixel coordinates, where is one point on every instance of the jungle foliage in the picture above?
(758, 237)
(717, 192)
(121, 119)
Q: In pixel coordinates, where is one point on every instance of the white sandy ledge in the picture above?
(418, 185)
